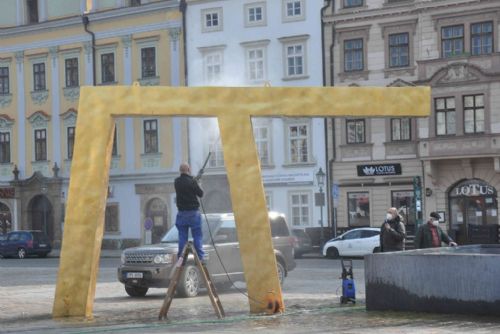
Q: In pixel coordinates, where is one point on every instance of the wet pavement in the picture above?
(311, 295)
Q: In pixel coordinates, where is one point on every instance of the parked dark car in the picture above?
(152, 265)
(303, 243)
(21, 244)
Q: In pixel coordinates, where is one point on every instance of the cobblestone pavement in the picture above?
(311, 296)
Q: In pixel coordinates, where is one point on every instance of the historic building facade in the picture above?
(47, 51)
(451, 46)
(254, 44)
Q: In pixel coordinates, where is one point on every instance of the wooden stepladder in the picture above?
(179, 268)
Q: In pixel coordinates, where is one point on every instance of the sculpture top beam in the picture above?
(263, 101)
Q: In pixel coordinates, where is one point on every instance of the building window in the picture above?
(452, 40)
(71, 141)
(4, 80)
(402, 200)
(111, 221)
(293, 10)
(217, 156)
(445, 116)
(358, 206)
(353, 3)
(261, 136)
(481, 38)
(39, 76)
(4, 147)
(399, 50)
(148, 59)
(355, 131)
(115, 144)
(212, 19)
(353, 55)
(255, 14)
(41, 145)
(135, 3)
(151, 136)
(256, 64)
(71, 66)
(300, 209)
(474, 113)
(400, 129)
(32, 11)
(108, 67)
(213, 67)
(298, 136)
(295, 60)
(269, 200)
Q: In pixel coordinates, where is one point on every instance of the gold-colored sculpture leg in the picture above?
(250, 211)
(84, 222)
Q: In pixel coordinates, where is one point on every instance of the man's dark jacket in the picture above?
(186, 189)
(423, 238)
(392, 240)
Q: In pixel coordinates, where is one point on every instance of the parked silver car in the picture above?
(152, 265)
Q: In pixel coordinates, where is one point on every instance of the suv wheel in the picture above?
(136, 291)
(189, 283)
(332, 253)
(281, 271)
(21, 253)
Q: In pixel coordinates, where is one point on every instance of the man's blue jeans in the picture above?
(184, 221)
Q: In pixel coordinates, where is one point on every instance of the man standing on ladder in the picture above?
(188, 217)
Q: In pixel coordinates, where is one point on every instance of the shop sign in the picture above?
(474, 189)
(378, 170)
(7, 192)
(298, 177)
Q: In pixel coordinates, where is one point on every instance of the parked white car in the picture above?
(356, 242)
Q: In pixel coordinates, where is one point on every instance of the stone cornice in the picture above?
(413, 8)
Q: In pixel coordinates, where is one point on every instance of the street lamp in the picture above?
(320, 201)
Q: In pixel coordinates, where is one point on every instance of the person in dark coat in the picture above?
(392, 232)
(187, 191)
(431, 235)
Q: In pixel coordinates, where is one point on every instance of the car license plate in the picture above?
(43, 245)
(134, 275)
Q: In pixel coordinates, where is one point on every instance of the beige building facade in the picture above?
(48, 50)
(452, 46)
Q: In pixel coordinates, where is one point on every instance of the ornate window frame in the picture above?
(220, 22)
(142, 43)
(6, 99)
(344, 34)
(254, 45)
(409, 27)
(104, 49)
(246, 14)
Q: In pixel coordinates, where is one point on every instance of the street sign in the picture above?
(148, 224)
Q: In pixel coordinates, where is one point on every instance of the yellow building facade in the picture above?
(48, 50)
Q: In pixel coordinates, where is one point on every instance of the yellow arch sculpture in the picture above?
(233, 107)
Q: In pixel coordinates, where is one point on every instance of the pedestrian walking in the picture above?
(431, 235)
(392, 232)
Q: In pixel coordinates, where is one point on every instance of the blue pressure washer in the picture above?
(348, 287)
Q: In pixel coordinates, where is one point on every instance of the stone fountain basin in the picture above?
(463, 279)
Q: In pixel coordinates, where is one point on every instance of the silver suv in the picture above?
(151, 266)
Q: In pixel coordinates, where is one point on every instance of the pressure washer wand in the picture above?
(202, 170)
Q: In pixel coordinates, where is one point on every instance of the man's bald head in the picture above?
(184, 168)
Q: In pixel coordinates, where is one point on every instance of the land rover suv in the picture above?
(151, 265)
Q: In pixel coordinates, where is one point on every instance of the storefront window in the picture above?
(474, 212)
(358, 207)
(403, 201)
